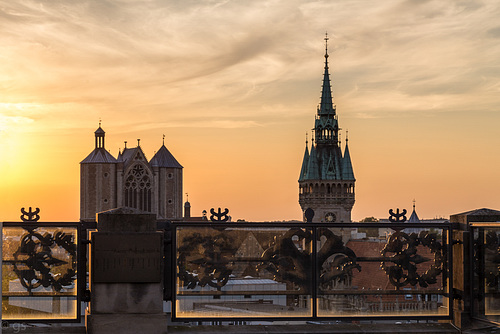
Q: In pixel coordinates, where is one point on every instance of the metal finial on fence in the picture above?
(397, 217)
(30, 216)
(219, 216)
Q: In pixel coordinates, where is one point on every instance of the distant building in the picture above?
(130, 180)
(326, 181)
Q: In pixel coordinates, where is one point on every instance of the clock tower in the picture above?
(326, 181)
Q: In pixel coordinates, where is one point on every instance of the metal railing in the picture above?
(43, 271)
(310, 271)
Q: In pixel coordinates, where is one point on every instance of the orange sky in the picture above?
(234, 87)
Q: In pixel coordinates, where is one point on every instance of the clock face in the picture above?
(330, 217)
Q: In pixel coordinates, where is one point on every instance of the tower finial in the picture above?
(413, 204)
(306, 139)
(346, 136)
(138, 142)
(163, 139)
(326, 44)
(99, 122)
(187, 197)
(125, 145)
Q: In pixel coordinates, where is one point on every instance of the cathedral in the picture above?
(130, 180)
(326, 181)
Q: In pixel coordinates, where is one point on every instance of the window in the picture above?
(138, 188)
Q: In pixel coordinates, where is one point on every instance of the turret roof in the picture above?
(305, 161)
(163, 158)
(347, 171)
(99, 155)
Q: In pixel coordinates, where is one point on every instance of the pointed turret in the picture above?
(347, 171)
(163, 158)
(305, 161)
(414, 217)
(97, 181)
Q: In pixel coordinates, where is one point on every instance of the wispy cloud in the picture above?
(120, 56)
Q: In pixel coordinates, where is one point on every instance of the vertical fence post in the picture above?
(1, 265)
(463, 262)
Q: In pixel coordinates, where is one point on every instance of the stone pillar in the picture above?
(462, 266)
(125, 274)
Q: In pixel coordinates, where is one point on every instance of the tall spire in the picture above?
(326, 103)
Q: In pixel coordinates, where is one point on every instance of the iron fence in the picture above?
(43, 271)
(311, 271)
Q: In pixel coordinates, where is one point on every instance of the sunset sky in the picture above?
(234, 85)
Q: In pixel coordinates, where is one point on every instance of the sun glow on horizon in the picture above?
(417, 89)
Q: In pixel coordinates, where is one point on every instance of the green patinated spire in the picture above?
(347, 171)
(326, 103)
(305, 161)
(312, 165)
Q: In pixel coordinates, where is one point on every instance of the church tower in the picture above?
(168, 183)
(97, 180)
(326, 181)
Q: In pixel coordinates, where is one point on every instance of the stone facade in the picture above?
(130, 180)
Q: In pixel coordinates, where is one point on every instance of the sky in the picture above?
(234, 86)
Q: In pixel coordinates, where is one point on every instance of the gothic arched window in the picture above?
(138, 188)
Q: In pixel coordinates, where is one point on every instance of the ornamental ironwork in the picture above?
(397, 217)
(205, 259)
(290, 263)
(35, 260)
(401, 259)
(219, 216)
(492, 259)
(30, 216)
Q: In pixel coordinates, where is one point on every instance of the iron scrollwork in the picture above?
(34, 260)
(205, 259)
(400, 259)
(291, 264)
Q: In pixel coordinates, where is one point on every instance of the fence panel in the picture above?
(39, 272)
(311, 271)
(486, 270)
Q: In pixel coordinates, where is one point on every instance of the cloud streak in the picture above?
(240, 64)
